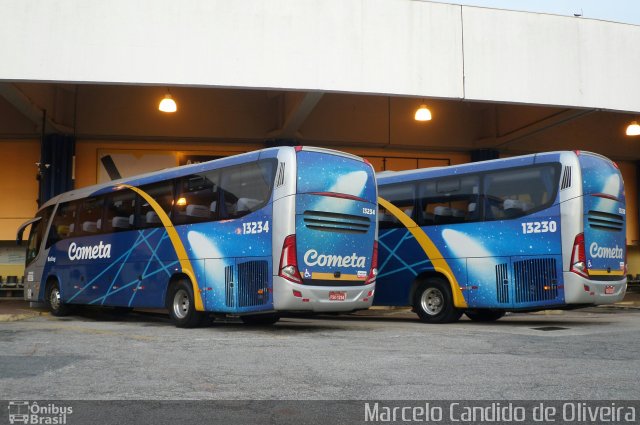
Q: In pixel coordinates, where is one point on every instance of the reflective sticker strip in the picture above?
(330, 276)
(429, 248)
(178, 246)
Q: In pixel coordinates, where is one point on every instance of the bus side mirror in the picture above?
(19, 236)
(24, 226)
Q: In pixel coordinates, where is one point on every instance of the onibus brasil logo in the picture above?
(25, 412)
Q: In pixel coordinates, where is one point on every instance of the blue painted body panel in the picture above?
(472, 251)
(142, 261)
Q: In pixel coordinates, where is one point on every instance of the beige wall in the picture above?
(20, 187)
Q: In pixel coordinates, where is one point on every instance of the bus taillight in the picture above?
(373, 271)
(289, 260)
(578, 257)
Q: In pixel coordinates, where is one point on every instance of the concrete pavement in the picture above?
(18, 309)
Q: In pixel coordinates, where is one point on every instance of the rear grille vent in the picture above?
(605, 221)
(334, 222)
(280, 177)
(253, 283)
(535, 280)
(502, 283)
(566, 178)
(229, 293)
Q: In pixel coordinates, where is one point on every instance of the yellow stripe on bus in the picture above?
(429, 248)
(178, 246)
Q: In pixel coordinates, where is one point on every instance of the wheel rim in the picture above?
(181, 304)
(54, 299)
(432, 301)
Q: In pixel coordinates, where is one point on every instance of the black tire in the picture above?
(260, 319)
(433, 302)
(182, 308)
(484, 315)
(53, 301)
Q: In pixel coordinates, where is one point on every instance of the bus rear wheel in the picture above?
(54, 301)
(433, 302)
(484, 315)
(182, 309)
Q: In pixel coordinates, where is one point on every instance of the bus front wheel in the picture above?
(54, 301)
(433, 302)
(182, 309)
(484, 315)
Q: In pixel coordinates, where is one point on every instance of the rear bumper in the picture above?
(316, 298)
(575, 290)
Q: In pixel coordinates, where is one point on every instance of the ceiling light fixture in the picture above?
(423, 113)
(633, 129)
(167, 104)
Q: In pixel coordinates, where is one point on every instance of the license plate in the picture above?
(609, 290)
(337, 296)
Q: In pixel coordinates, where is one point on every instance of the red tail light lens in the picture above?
(373, 271)
(578, 257)
(289, 260)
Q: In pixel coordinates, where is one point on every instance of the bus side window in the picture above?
(517, 192)
(162, 193)
(450, 200)
(119, 211)
(401, 196)
(90, 216)
(197, 199)
(246, 188)
(64, 223)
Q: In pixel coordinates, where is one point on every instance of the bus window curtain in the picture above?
(56, 167)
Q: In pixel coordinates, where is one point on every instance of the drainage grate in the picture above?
(549, 328)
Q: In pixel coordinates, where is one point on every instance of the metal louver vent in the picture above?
(253, 283)
(229, 293)
(335, 222)
(502, 283)
(605, 221)
(535, 280)
(566, 178)
(280, 176)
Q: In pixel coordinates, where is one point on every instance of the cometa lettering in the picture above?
(312, 258)
(604, 252)
(91, 252)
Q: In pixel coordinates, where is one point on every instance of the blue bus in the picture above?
(252, 235)
(527, 233)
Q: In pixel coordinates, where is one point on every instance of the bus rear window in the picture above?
(600, 176)
(322, 173)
